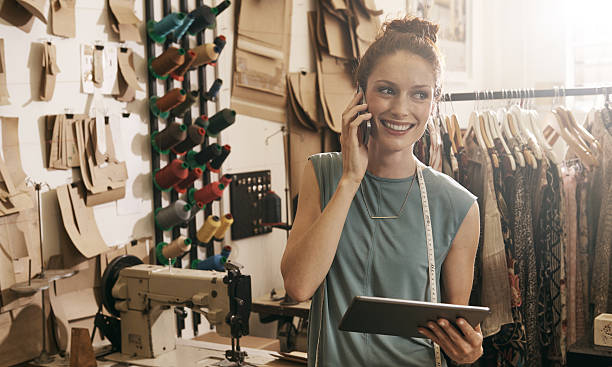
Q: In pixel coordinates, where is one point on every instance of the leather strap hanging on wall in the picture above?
(49, 71)
(63, 18)
(128, 83)
(4, 95)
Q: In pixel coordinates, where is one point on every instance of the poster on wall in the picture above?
(454, 39)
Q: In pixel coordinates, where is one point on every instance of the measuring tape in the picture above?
(431, 260)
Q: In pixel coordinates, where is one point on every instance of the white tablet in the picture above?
(402, 317)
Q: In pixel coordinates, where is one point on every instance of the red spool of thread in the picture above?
(172, 174)
(226, 179)
(179, 73)
(171, 99)
(193, 175)
(208, 193)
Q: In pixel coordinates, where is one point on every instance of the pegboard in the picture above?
(246, 203)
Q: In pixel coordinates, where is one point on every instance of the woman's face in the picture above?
(399, 95)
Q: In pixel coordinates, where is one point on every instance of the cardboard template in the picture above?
(20, 335)
(366, 29)
(19, 244)
(258, 85)
(308, 97)
(79, 220)
(99, 69)
(128, 82)
(124, 21)
(38, 8)
(13, 192)
(49, 71)
(17, 15)
(63, 18)
(293, 103)
(338, 39)
(61, 148)
(75, 298)
(4, 95)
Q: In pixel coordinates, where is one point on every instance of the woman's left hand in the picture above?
(462, 346)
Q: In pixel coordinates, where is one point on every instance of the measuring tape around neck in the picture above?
(431, 260)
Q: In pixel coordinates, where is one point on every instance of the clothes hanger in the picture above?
(586, 157)
(508, 133)
(484, 122)
(458, 135)
(515, 119)
(585, 136)
(494, 128)
(474, 125)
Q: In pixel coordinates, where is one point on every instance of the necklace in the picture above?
(401, 210)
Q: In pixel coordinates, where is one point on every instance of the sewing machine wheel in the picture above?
(109, 278)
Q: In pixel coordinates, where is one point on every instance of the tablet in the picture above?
(400, 317)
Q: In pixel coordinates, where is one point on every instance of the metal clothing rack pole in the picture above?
(524, 93)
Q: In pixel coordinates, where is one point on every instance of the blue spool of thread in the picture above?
(182, 29)
(159, 30)
(214, 262)
(211, 95)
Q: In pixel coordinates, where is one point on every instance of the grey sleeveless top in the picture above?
(381, 258)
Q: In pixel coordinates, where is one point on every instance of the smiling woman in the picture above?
(361, 229)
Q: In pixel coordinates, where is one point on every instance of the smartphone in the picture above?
(364, 128)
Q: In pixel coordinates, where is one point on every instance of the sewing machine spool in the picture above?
(109, 278)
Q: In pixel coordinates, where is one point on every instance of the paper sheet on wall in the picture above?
(110, 84)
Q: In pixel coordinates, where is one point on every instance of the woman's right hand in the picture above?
(354, 154)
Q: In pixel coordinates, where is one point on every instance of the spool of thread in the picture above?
(159, 30)
(174, 214)
(167, 62)
(179, 73)
(226, 222)
(206, 194)
(180, 31)
(226, 251)
(220, 42)
(181, 109)
(271, 208)
(220, 121)
(214, 262)
(199, 159)
(208, 52)
(173, 134)
(195, 209)
(202, 121)
(226, 179)
(216, 162)
(193, 175)
(195, 136)
(208, 229)
(176, 248)
(205, 17)
(213, 91)
(161, 106)
(170, 175)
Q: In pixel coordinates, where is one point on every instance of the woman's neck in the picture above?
(400, 164)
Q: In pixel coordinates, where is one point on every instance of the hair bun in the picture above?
(411, 24)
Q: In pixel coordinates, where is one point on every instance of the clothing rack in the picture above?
(524, 94)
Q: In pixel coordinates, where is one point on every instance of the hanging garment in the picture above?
(601, 289)
(494, 288)
(582, 259)
(571, 225)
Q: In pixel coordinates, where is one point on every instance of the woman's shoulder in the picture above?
(439, 182)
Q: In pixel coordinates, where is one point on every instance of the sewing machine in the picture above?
(142, 297)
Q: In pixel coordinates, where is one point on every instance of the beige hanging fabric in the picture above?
(4, 95)
(49, 71)
(63, 22)
(123, 20)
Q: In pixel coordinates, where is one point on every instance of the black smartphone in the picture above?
(365, 127)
